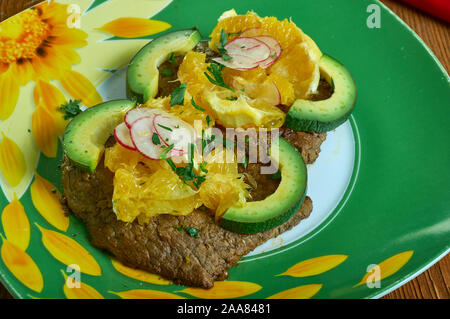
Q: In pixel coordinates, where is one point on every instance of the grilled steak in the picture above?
(160, 247)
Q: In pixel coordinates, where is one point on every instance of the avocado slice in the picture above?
(325, 115)
(143, 74)
(278, 207)
(85, 137)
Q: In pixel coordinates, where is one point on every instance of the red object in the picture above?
(438, 8)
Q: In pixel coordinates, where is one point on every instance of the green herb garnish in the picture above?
(164, 153)
(196, 106)
(208, 120)
(177, 96)
(192, 231)
(165, 127)
(71, 109)
(171, 164)
(232, 34)
(155, 139)
(167, 72)
(172, 59)
(244, 161)
(215, 76)
(203, 167)
(231, 98)
(221, 47)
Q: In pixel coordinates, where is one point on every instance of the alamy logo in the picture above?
(374, 277)
(74, 18)
(374, 19)
(74, 277)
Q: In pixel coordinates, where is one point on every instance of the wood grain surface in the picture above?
(435, 282)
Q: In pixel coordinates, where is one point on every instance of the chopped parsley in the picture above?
(177, 96)
(192, 231)
(167, 72)
(164, 153)
(203, 167)
(231, 98)
(172, 59)
(187, 172)
(71, 109)
(244, 161)
(208, 120)
(232, 34)
(221, 46)
(215, 75)
(196, 106)
(155, 139)
(165, 127)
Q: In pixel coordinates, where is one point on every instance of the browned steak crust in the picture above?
(308, 144)
(159, 246)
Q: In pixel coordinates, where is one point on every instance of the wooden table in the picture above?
(435, 282)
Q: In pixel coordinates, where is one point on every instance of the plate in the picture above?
(380, 186)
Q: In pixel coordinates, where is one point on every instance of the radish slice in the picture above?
(271, 94)
(238, 62)
(275, 50)
(173, 131)
(255, 49)
(141, 135)
(138, 112)
(122, 135)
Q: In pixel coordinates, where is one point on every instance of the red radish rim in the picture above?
(146, 110)
(123, 143)
(278, 50)
(279, 93)
(252, 48)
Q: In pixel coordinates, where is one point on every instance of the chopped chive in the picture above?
(196, 106)
(171, 164)
(203, 167)
(172, 59)
(164, 153)
(165, 127)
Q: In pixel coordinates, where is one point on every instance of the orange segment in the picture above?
(298, 62)
(305, 79)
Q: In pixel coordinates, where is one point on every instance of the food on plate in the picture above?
(85, 136)
(325, 115)
(206, 159)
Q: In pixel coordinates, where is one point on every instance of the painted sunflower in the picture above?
(36, 44)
